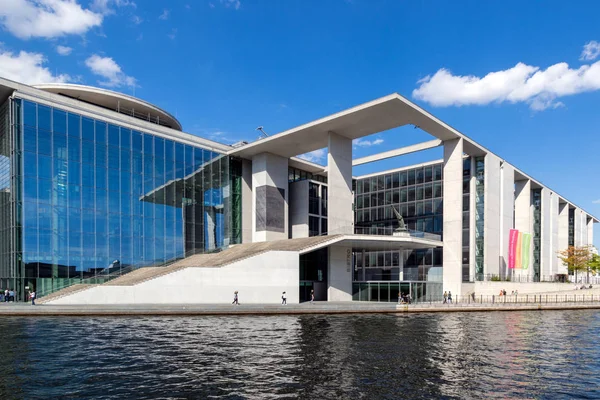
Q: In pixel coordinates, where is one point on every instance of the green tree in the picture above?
(594, 264)
(577, 259)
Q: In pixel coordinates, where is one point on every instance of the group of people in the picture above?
(7, 296)
(513, 293)
(448, 297)
(404, 298)
(283, 298)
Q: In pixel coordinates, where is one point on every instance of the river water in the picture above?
(546, 355)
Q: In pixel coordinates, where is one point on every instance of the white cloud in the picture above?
(314, 156)
(136, 19)
(366, 143)
(591, 51)
(46, 18)
(63, 50)
(107, 68)
(173, 34)
(596, 201)
(521, 83)
(164, 15)
(28, 68)
(105, 7)
(231, 4)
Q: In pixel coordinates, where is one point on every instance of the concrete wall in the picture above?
(590, 231)
(554, 233)
(298, 209)
(259, 279)
(246, 201)
(340, 273)
(492, 215)
(493, 288)
(453, 196)
(339, 179)
(579, 227)
(269, 188)
(563, 235)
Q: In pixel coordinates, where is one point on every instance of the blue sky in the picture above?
(521, 78)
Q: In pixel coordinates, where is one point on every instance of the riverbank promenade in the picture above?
(500, 304)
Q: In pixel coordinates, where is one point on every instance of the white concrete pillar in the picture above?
(340, 274)
(298, 209)
(453, 196)
(546, 258)
(472, 221)
(507, 208)
(491, 230)
(563, 235)
(579, 227)
(339, 179)
(591, 231)
(555, 264)
(246, 201)
(269, 197)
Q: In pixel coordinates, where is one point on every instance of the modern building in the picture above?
(106, 192)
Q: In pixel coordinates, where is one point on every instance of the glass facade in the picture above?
(479, 215)
(91, 196)
(417, 195)
(466, 220)
(536, 201)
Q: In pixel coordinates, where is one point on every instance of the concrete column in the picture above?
(579, 227)
(591, 231)
(546, 258)
(339, 180)
(507, 208)
(492, 212)
(298, 209)
(524, 217)
(340, 274)
(269, 197)
(554, 234)
(563, 235)
(453, 176)
(246, 201)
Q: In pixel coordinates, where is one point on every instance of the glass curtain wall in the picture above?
(479, 215)
(98, 197)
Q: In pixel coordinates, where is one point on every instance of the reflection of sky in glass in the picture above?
(4, 172)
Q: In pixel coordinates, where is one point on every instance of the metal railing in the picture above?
(556, 278)
(512, 299)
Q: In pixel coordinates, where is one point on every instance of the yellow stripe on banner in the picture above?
(518, 257)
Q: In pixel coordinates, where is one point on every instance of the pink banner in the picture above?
(513, 237)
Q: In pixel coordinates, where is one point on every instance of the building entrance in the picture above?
(313, 275)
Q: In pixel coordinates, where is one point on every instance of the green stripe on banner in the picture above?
(525, 246)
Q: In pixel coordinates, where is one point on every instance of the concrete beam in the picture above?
(397, 152)
(453, 196)
(340, 198)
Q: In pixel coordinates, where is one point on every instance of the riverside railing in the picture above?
(510, 299)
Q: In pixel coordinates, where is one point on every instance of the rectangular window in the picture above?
(313, 226)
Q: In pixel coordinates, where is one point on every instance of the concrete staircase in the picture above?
(212, 260)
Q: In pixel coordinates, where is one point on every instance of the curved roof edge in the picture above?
(115, 101)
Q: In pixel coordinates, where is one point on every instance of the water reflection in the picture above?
(474, 355)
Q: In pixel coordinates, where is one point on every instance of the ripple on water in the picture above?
(470, 355)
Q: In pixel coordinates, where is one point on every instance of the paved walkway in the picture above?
(22, 309)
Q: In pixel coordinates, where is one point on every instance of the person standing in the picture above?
(445, 297)
(450, 297)
(6, 296)
(32, 295)
(235, 298)
(283, 299)
(312, 296)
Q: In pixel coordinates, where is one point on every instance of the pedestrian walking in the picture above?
(235, 298)
(450, 297)
(445, 297)
(32, 295)
(312, 296)
(283, 298)
(6, 296)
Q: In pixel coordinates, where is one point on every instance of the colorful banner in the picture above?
(518, 254)
(525, 251)
(512, 247)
